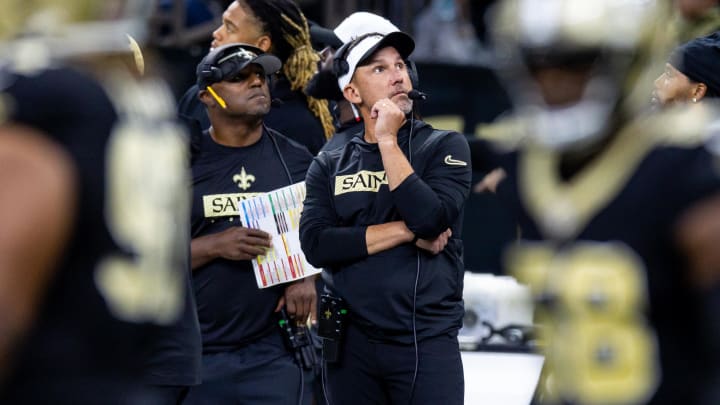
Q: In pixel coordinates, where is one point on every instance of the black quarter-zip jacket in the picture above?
(347, 191)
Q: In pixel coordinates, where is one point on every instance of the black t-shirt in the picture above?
(80, 340)
(636, 197)
(232, 309)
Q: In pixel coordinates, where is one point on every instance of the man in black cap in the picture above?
(382, 216)
(278, 27)
(324, 84)
(691, 74)
(244, 359)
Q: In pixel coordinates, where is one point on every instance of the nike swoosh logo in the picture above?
(452, 162)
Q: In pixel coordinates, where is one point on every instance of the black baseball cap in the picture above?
(322, 37)
(699, 60)
(226, 61)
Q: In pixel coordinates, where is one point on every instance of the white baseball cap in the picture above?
(368, 45)
(362, 22)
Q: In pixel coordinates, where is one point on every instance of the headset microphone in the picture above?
(417, 95)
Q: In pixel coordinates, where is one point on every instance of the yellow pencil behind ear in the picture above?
(217, 98)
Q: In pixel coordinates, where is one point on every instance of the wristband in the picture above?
(415, 239)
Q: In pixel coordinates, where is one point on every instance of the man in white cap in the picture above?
(382, 216)
(324, 83)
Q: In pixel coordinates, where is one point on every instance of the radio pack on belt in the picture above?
(299, 340)
(332, 315)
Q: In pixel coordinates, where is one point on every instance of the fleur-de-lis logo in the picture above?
(241, 53)
(243, 179)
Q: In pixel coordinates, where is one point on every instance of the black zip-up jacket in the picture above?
(347, 191)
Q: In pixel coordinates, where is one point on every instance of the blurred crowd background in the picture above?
(450, 35)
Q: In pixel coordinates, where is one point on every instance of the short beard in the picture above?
(406, 106)
(258, 113)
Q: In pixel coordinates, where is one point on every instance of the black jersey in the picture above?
(599, 248)
(173, 356)
(90, 340)
(232, 309)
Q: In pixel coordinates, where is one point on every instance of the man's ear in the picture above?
(699, 91)
(205, 98)
(351, 94)
(264, 43)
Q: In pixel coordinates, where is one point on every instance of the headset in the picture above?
(221, 62)
(341, 67)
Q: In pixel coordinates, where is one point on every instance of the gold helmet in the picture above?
(606, 43)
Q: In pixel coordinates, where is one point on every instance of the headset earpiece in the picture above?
(340, 67)
(211, 73)
(216, 74)
(340, 64)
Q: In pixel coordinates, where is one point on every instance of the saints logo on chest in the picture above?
(243, 180)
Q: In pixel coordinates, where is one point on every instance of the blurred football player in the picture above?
(618, 210)
(94, 211)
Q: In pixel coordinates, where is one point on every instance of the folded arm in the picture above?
(431, 204)
(324, 242)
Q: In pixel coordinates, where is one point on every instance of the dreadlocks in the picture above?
(288, 29)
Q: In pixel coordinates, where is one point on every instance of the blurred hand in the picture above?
(240, 243)
(436, 245)
(490, 182)
(301, 300)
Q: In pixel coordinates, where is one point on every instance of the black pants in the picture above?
(263, 372)
(78, 391)
(371, 372)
